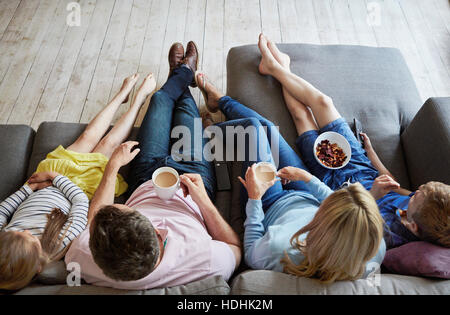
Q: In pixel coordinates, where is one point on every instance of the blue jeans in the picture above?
(239, 115)
(172, 106)
(359, 168)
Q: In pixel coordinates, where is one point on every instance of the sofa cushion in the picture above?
(53, 273)
(52, 134)
(265, 282)
(16, 144)
(426, 142)
(371, 84)
(209, 286)
(419, 259)
(49, 136)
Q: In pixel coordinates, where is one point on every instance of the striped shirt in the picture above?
(28, 210)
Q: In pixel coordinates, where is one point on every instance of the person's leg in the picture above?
(321, 105)
(256, 149)
(95, 130)
(187, 146)
(300, 113)
(122, 129)
(155, 130)
(232, 109)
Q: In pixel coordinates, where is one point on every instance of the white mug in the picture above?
(267, 166)
(166, 193)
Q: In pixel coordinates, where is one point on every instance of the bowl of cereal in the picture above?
(332, 150)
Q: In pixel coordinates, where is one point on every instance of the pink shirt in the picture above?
(190, 254)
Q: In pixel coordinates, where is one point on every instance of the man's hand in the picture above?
(192, 184)
(124, 154)
(255, 188)
(41, 180)
(293, 174)
(382, 185)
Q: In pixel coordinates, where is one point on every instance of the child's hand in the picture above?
(382, 185)
(42, 177)
(41, 180)
(367, 143)
(39, 186)
(291, 173)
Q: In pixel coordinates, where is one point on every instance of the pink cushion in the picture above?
(419, 259)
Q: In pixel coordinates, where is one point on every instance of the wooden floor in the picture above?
(50, 71)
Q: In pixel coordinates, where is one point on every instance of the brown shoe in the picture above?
(176, 55)
(191, 59)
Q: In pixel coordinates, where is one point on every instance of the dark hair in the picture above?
(124, 244)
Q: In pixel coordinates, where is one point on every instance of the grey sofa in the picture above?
(373, 85)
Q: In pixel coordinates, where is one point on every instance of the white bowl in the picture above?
(334, 137)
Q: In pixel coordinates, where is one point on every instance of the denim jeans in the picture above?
(359, 168)
(171, 107)
(239, 115)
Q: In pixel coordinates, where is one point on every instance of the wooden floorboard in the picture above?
(51, 71)
(24, 57)
(7, 11)
(53, 95)
(83, 74)
(101, 85)
(130, 56)
(14, 34)
(40, 71)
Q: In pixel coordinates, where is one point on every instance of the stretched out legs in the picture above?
(95, 130)
(154, 133)
(122, 129)
(189, 158)
(296, 88)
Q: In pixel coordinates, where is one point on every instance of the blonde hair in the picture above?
(433, 217)
(343, 236)
(21, 258)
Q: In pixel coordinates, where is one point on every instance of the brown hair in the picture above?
(21, 259)
(433, 217)
(124, 244)
(343, 236)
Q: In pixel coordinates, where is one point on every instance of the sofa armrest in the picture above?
(426, 143)
(16, 143)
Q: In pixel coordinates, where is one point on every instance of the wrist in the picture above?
(254, 196)
(31, 187)
(112, 166)
(206, 203)
(303, 176)
(307, 177)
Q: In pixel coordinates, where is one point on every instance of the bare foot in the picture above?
(268, 62)
(147, 86)
(207, 119)
(127, 86)
(210, 93)
(283, 59)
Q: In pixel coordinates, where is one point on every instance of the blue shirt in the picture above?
(395, 232)
(268, 236)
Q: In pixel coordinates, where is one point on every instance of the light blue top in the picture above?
(268, 236)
